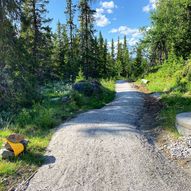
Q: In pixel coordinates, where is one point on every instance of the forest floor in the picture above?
(110, 149)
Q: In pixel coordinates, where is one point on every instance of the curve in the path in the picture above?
(103, 150)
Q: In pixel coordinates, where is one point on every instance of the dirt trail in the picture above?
(104, 150)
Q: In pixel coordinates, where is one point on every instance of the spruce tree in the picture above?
(36, 35)
(112, 50)
(119, 59)
(126, 60)
(86, 30)
(72, 57)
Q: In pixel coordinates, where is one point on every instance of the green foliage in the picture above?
(165, 77)
(80, 76)
(170, 30)
(39, 116)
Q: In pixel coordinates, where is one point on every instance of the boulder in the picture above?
(88, 88)
(183, 123)
(6, 154)
(15, 138)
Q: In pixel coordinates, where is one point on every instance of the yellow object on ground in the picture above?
(17, 147)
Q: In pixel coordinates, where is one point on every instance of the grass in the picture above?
(37, 125)
(174, 103)
(172, 79)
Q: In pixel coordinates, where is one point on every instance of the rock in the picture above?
(8, 147)
(183, 123)
(65, 99)
(25, 143)
(88, 88)
(6, 154)
(15, 138)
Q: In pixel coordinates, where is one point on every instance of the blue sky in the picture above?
(113, 18)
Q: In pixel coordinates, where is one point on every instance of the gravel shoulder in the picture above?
(105, 150)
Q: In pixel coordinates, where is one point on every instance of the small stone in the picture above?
(15, 138)
(175, 152)
(6, 154)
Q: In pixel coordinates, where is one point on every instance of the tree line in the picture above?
(31, 54)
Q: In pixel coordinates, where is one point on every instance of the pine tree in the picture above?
(105, 59)
(126, 60)
(119, 59)
(58, 55)
(70, 12)
(86, 37)
(139, 62)
(101, 55)
(35, 33)
(16, 85)
(112, 50)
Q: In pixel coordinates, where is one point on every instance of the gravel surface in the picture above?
(104, 150)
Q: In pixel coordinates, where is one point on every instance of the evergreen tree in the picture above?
(138, 63)
(126, 60)
(36, 35)
(86, 30)
(112, 50)
(119, 59)
(72, 58)
(59, 52)
(16, 86)
(101, 54)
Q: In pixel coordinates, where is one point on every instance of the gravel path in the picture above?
(103, 150)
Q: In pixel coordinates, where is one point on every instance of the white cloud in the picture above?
(108, 4)
(125, 30)
(151, 6)
(109, 11)
(101, 20)
(101, 13)
(133, 34)
(146, 9)
(132, 41)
